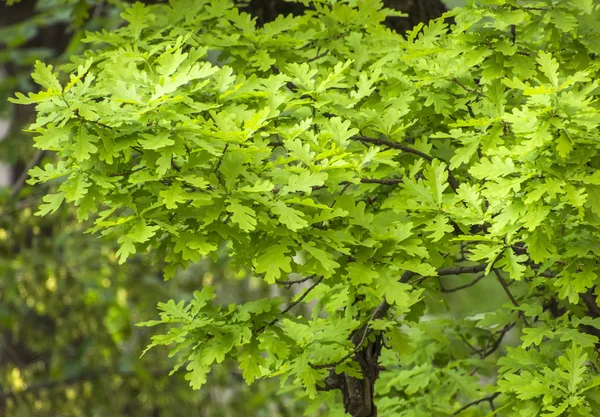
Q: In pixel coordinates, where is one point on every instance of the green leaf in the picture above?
(197, 371)
(548, 66)
(173, 196)
(571, 284)
(83, 145)
(232, 166)
(44, 76)
(127, 248)
(574, 364)
(250, 361)
(243, 216)
(141, 232)
(156, 141)
(291, 218)
(272, 261)
(437, 177)
(360, 273)
(193, 246)
(539, 247)
(439, 228)
(326, 265)
(394, 292)
(51, 203)
(513, 264)
(535, 336)
(139, 18)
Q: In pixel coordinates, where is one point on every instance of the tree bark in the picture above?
(418, 11)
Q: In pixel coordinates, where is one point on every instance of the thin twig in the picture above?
(487, 352)
(464, 87)
(590, 302)
(291, 282)
(298, 301)
(452, 271)
(20, 182)
(394, 145)
(462, 287)
(511, 297)
(319, 55)
(464, 339)
(127, 173)
(489, 399)
(382, 181)
(221, 158)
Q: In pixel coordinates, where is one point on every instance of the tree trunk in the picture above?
(418, 11)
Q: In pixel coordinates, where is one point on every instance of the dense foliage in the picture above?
(327, 151)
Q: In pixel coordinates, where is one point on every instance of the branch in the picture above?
(464, 87)
(453, 271)
(383, 181)
(221, 158)
(395, 145)
(489, 398)
(20, 182)
(462, 287)
(473, 348)
(92, 122)
(462, 270)
(319, 55)
(378, 313)
(291, 282)
(485, 353)
(357, 344)
(590, 302)
(295, 303)
(127, 173)
(512, 298)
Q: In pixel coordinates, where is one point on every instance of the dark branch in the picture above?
(466, 342)
(590, 302)
(453, 271)
(462, 287)
(395, 145)
(489, 398)
(487, 352)
(383, 181)
(20, 182)
(291, 282)
(464, 87)
(298, 301)
(127, 173)
(221, 158)
(319, 55)
(366, 330)
(511, 297)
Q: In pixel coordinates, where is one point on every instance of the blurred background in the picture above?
(68, 344)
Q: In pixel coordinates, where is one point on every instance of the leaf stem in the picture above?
(395, 145)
